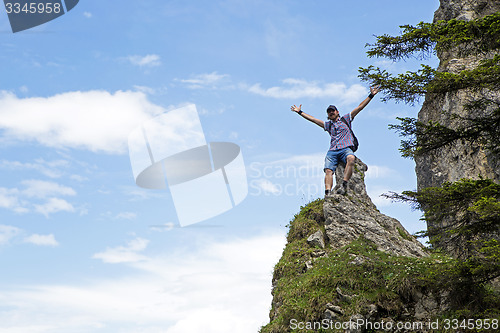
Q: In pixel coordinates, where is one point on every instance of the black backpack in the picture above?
(356, 143)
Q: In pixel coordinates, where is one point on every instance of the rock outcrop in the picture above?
(458, 160)
(334, 244)
(347, 217)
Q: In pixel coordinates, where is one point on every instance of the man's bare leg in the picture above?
(349, 167)
(328, 181)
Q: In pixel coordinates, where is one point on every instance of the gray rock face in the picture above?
(353, 215)
(458, 160)
(427, 305)
(465, 9)
(317, 239)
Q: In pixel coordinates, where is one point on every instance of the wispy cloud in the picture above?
(150, 90)
(41, 189)
(10, 234)
(140, 194)
(163, 227)
(7, 233)
(52, 169)
(150, 60)
(381, 179)
(266, 186)
(375, 192)
(53, 205)
(205, 81)
(291, 88)
(39, 196)
(126, 216)
(124, 254)
(42, 240)
(9, 199)
(297, 88)
(380, 171)
(305, 167)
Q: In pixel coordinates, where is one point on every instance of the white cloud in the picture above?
(78, 178)
(10, 234)
(380, 171)
(145, 89)
(296, 88)
(42, 189)
(216, 288)
(139, 194)
(50, 169)
(53, 205)
(95, 120)
(7, 233)
(292, 88)
(375, 193)
(124, 254)
(42, 240)
(298, 175)
(150, 90)
(9, 199)
(38, 196)
(150, 60)
(162, 227)
(210, 80)
(126, 216)
(266, 186)
(87, 14)
(304, 167)
(381, 179)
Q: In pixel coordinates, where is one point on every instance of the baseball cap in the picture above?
(333, 107)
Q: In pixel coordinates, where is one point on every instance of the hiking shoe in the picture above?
(328, 193)
(342, 190)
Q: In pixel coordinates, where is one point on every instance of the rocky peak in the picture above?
(347, 217)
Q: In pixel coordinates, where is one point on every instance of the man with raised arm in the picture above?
(341, 142)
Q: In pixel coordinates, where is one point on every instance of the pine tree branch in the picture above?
(471, 37)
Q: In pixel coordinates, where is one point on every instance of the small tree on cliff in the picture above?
(473, 205)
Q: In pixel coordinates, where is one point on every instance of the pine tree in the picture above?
(467, 211)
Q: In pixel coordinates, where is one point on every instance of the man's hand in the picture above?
(374, 90)
(304, 115)
(294, 108)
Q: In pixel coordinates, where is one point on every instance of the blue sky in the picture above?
(82, 248)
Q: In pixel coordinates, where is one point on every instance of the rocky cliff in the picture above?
(347, 267)
(349, 217)
(459, 160)
(347, 262)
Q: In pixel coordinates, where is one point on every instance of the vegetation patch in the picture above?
(358, 276)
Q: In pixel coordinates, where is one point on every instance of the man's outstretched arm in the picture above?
(297, 109)
(373, 92)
